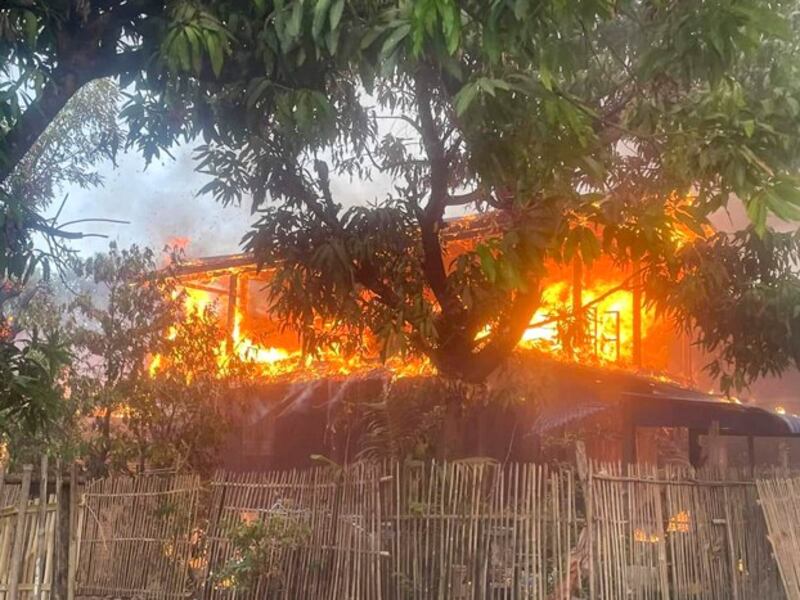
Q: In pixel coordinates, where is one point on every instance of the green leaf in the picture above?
(757, 213)
(320, 16)
(465, 96)
(397, 36)
(215, 52)
(749, 127)
(197, 55)
(336, 13)
(31, 27)
(546, 77)
(183, 50)
(488, 263)
(295, 22)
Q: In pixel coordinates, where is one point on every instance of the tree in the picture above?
(151, 379)
(586, 128)
(116, 329)
(59, 118)
(45, 421)
(30, 390)
(566, 119)
(178, 416)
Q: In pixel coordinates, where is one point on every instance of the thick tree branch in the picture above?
(476, 195)
(503, 342)
(55, 94)
(433, 261)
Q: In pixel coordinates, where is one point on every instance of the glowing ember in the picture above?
(640, 535)
(679, 522)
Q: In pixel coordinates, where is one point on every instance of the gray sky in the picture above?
(161, 204)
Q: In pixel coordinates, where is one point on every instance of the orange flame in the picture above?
(606, 331)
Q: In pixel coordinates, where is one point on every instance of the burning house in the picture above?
(631, 375)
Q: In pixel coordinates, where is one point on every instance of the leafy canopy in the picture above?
(565, 118)
(583, 127)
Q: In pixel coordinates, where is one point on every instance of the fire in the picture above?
(607, 322)
(276, 362)
(585, 315)
(178, 242)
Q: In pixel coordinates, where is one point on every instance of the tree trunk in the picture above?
(55, 94)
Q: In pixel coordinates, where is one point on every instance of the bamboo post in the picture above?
(585, 477)
(19, 534)
(72, 552)
(62, 535)
(2, 485)
(731, 547)
(41, 522)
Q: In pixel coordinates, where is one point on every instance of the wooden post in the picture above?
(62, 535)
(577, 286)
(19, 534)
(637, 315)
(41, 522)
(783, 454)
(577, 301)
(717, 454)
(628, 435)
(73, 531)
(233, 288)
(751, 455)
(695, 450)
(585, 477)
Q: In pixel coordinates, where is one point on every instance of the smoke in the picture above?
(161, 204)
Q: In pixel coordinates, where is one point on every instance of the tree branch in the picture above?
(433, 262)
(502, 343)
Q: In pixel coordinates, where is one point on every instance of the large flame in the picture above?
(281, 362)
(605, 324)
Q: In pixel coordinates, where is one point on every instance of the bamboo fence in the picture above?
(481, 531)
(27, 538)
(667, 535)
(458, 530)
(780, 500)
(135, 537)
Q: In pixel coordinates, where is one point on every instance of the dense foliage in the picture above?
(583, 125)
(145, 415)
(586, 127)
